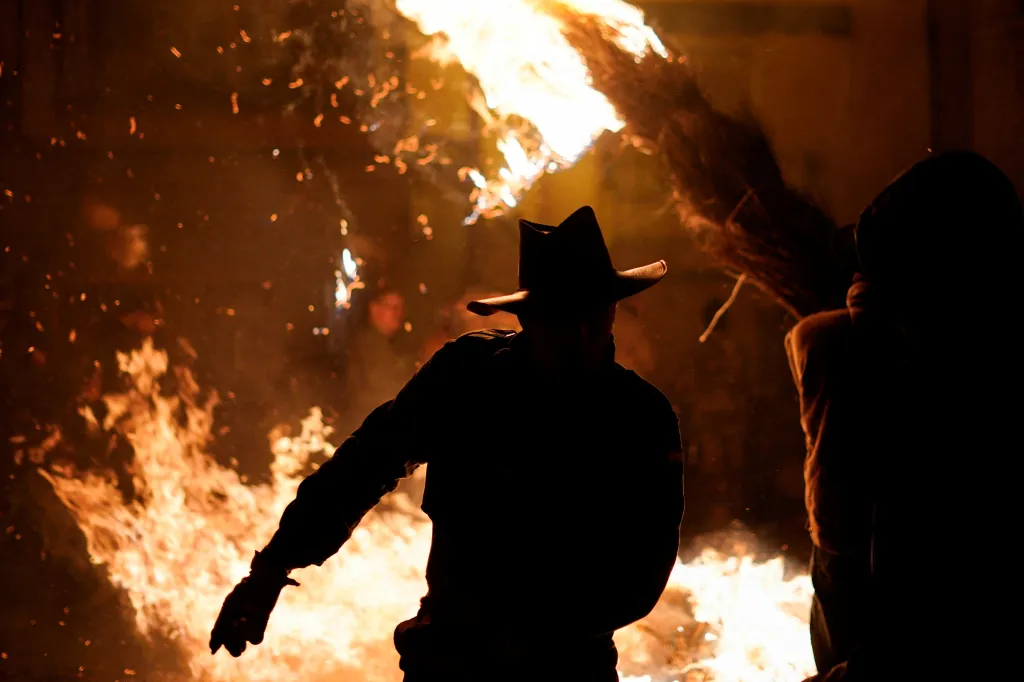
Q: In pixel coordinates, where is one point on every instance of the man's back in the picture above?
(557, 490)
(566, 526)
(560, 531)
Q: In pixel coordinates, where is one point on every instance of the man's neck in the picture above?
(553, 366)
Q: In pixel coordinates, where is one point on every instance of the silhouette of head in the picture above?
(387, 312)
(568, 290)
(945, 232)
(567, 267)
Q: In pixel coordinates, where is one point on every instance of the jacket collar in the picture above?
(517, 351)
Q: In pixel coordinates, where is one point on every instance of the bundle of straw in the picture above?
(728, 186)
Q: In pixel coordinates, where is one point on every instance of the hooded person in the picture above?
(562, 530)
(903, 394)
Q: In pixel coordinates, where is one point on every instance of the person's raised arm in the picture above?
(393, 440)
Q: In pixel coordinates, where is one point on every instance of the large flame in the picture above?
(537, 97)
(189, 534)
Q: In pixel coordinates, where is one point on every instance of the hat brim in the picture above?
(623, 284)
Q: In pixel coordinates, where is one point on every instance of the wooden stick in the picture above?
(725, 306)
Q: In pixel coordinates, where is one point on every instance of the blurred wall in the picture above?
(841, 87)
(996, 43)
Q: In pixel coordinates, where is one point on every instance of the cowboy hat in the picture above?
(568, 267)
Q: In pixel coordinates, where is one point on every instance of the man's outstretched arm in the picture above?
(332, 501)
(392, 441)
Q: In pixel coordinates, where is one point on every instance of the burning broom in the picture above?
(728, 186)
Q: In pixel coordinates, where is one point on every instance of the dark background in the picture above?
(850, 93)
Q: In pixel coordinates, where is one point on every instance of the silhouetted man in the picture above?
(563, 530)
(908, 397)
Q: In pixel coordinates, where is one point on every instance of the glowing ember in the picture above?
(189, 536)
(545, 85)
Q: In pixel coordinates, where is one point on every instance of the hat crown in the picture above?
(568, 268)
(563, 257)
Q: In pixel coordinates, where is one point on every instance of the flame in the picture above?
(346, 279)
(537, 100)
(188, 536)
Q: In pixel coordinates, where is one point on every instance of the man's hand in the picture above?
(244, 615)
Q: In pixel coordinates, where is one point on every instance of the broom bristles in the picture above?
(728, 186)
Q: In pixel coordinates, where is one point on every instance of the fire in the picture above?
(536, 93)
(188, 536)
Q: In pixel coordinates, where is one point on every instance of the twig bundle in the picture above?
(728, 186)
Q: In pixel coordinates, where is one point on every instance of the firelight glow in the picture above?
(180, 546)
(188, 537)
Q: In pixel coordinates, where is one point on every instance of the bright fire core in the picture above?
(179, 548)
(535, 95)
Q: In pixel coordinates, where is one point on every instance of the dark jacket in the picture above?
(566, 527)
(905, 431)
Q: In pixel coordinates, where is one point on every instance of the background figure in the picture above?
(895, 390)
(376, 368)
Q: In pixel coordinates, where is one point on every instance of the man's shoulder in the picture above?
(648, 411)
(479, 344)
(820, 331)
(642, 393)
(482, 341)
(486, 336)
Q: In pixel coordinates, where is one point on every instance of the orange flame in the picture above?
(189, 536)
(529, 72)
